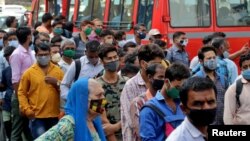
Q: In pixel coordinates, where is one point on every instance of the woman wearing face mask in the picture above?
(156, 75)
(68, 53)
(82, 121)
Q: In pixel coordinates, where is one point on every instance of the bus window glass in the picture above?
(145, 12)
(190, 13)
(233, 12)
(41, 9)
(71, 10)
(91, 9)
(120, 14)
(55, 7)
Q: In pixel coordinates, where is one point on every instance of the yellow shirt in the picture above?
(35, 95)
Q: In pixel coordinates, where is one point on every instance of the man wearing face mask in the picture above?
(12, 39)
(107, 36)
(82, 38)
(236, 110)
(90, 67)
(226, 66)
(97, 29)
(68, 48)
(152, 125)
(207, 57)
(198, 102)
(112, 84)
(156, 76)
(57, 29)
(140, 33)
(40, 85)
(177, 52)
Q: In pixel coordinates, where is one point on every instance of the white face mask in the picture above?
(184, 42)
(56, 57)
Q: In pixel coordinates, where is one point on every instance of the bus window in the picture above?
(41, 9)
(55, 6)
(91, 9)
(145, 12)
(120, 14)
(233, 12)
(71, 10)
(190, 13)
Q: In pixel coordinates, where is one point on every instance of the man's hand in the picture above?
(51, 80)
(30, 114)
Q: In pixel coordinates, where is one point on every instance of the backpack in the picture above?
(239, 86)
(78, 68)
(168, 127)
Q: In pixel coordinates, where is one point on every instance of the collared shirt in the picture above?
(221, 89)
(177, 55)
(232, 70)
(152, 126)
(20, 60)
(63, 65)
(35, 95)
(87, 70)
(186, 132)
(3, 64)
(135, 108)
(232, 113)
(133, 88)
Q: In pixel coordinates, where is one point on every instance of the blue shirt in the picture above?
(152, 126)
(177, 55)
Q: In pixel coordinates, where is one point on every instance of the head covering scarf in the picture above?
(77, 107)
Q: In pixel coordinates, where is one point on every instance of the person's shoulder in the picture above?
(178, 134)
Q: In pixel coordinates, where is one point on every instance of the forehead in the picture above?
(209, 54)
(156, 60)
(69, 45)
(97, 22)
(112, 53)
(160, 71)
(204, 95)
(43, 51)
(246, 62)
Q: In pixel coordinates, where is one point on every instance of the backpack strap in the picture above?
(78, 68)
(239, 86)
(77, 40)
(155, 109)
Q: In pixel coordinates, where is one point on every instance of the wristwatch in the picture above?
(58, 83)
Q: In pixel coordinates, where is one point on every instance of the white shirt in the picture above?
(186, 132)
(63, 65)
(87, 70)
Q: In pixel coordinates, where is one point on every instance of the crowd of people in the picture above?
(97, 85)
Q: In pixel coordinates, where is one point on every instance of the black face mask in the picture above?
(157, 84)
(202, 117)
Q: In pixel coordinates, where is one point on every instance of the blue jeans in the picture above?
(39, 126)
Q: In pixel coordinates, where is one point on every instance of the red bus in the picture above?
(197, 18)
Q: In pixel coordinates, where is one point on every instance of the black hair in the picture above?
(38, 23)
(119, 34)
(244, 58)
(56, 39)
(151, 69)
(106, 32)
(92, 46)
(205, 49)
(22, 34)
(207, 39)
(121, 53)
(129, 69)
(178, 34)
(55, 23)
(2, 31)
(129, 45)
(60, 17)
(177, 71)
(130, 58)
(8, 51)
(219, 34)
(105, 49)
(69, 26)
(196, 84)
(46, 17)
(42, 46)
(10, 20)
(218, 42)
(11, 33)
(160, 43)
(137, 26)
(150, 52)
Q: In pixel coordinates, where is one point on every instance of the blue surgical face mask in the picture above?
(211, 64)
(246, 74)
(13, 43)
(142, 35)
(226, 54)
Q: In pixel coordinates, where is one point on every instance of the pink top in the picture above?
(20, 60)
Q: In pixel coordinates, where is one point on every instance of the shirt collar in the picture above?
(159, 96)
(23, 49)
(195, 133)
(86, 61)
(176, 49)
(139, 79)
